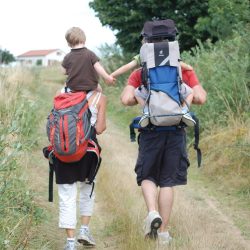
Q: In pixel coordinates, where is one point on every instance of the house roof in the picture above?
(37, 53)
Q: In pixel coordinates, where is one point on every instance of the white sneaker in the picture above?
(71, 245)
(152, 224)
(164, 238)
(188, 120)
(85, 237)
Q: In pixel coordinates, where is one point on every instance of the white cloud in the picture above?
(41, 24)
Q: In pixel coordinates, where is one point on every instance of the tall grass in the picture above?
(17, 127)
(224, 70)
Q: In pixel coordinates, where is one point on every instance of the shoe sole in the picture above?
(86, 243)
(155, 225)
(188, 122)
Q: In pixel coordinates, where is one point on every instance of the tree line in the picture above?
(6, 57)
(195, 20)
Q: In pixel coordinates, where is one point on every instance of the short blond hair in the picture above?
(75, 36)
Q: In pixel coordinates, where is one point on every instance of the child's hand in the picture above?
(110, 80)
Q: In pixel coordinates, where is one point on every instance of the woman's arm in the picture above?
(101, 115)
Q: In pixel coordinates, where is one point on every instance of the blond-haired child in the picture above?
(81, 65)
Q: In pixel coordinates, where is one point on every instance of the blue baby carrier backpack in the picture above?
(161, 76)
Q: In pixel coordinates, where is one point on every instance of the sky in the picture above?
(41, 24)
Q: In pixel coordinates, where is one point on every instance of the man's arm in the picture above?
(128, 96)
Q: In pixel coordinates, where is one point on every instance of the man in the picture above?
(162, 160)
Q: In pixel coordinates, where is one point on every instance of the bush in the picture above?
(224, 71)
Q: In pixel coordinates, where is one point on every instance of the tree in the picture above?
(224, 17)
(6, 57)
(126, 18)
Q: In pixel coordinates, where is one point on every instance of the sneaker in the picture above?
(188, 120)
(144, 121)
(152, 224)
(70, 245)
(164, 238)
(85, 237)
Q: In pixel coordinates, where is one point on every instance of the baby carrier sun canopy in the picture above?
(159, 28)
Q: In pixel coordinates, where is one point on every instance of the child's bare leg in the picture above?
(140, 100)
(188, 100)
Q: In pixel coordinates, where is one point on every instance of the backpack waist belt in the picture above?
(135, 125)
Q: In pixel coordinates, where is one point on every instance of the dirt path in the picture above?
(198, 222)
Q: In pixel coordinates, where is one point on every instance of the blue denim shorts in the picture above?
(162, 158)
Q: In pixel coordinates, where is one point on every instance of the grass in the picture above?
(226, 170)
(17, 128)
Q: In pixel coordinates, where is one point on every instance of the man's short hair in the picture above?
(75, 36)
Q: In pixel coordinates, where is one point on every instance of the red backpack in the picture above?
(68, 126)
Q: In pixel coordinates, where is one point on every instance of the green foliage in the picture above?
(224, 71)
(224, 17)
(6, 57)
(126, 18)
(113, 58)
(17, 127)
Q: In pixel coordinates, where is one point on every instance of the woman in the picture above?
(68, 174)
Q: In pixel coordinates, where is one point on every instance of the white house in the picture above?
(41, 57)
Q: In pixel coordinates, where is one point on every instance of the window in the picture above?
(39, 62)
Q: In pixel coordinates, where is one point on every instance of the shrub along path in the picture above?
(198, 220)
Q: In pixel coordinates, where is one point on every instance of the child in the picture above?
(81, 65)
(186, 91)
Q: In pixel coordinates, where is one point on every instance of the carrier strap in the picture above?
(135, 125)
(96, 99)
(51, 180)
(197, 139)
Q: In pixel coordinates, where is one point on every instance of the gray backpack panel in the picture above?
(163, 110)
